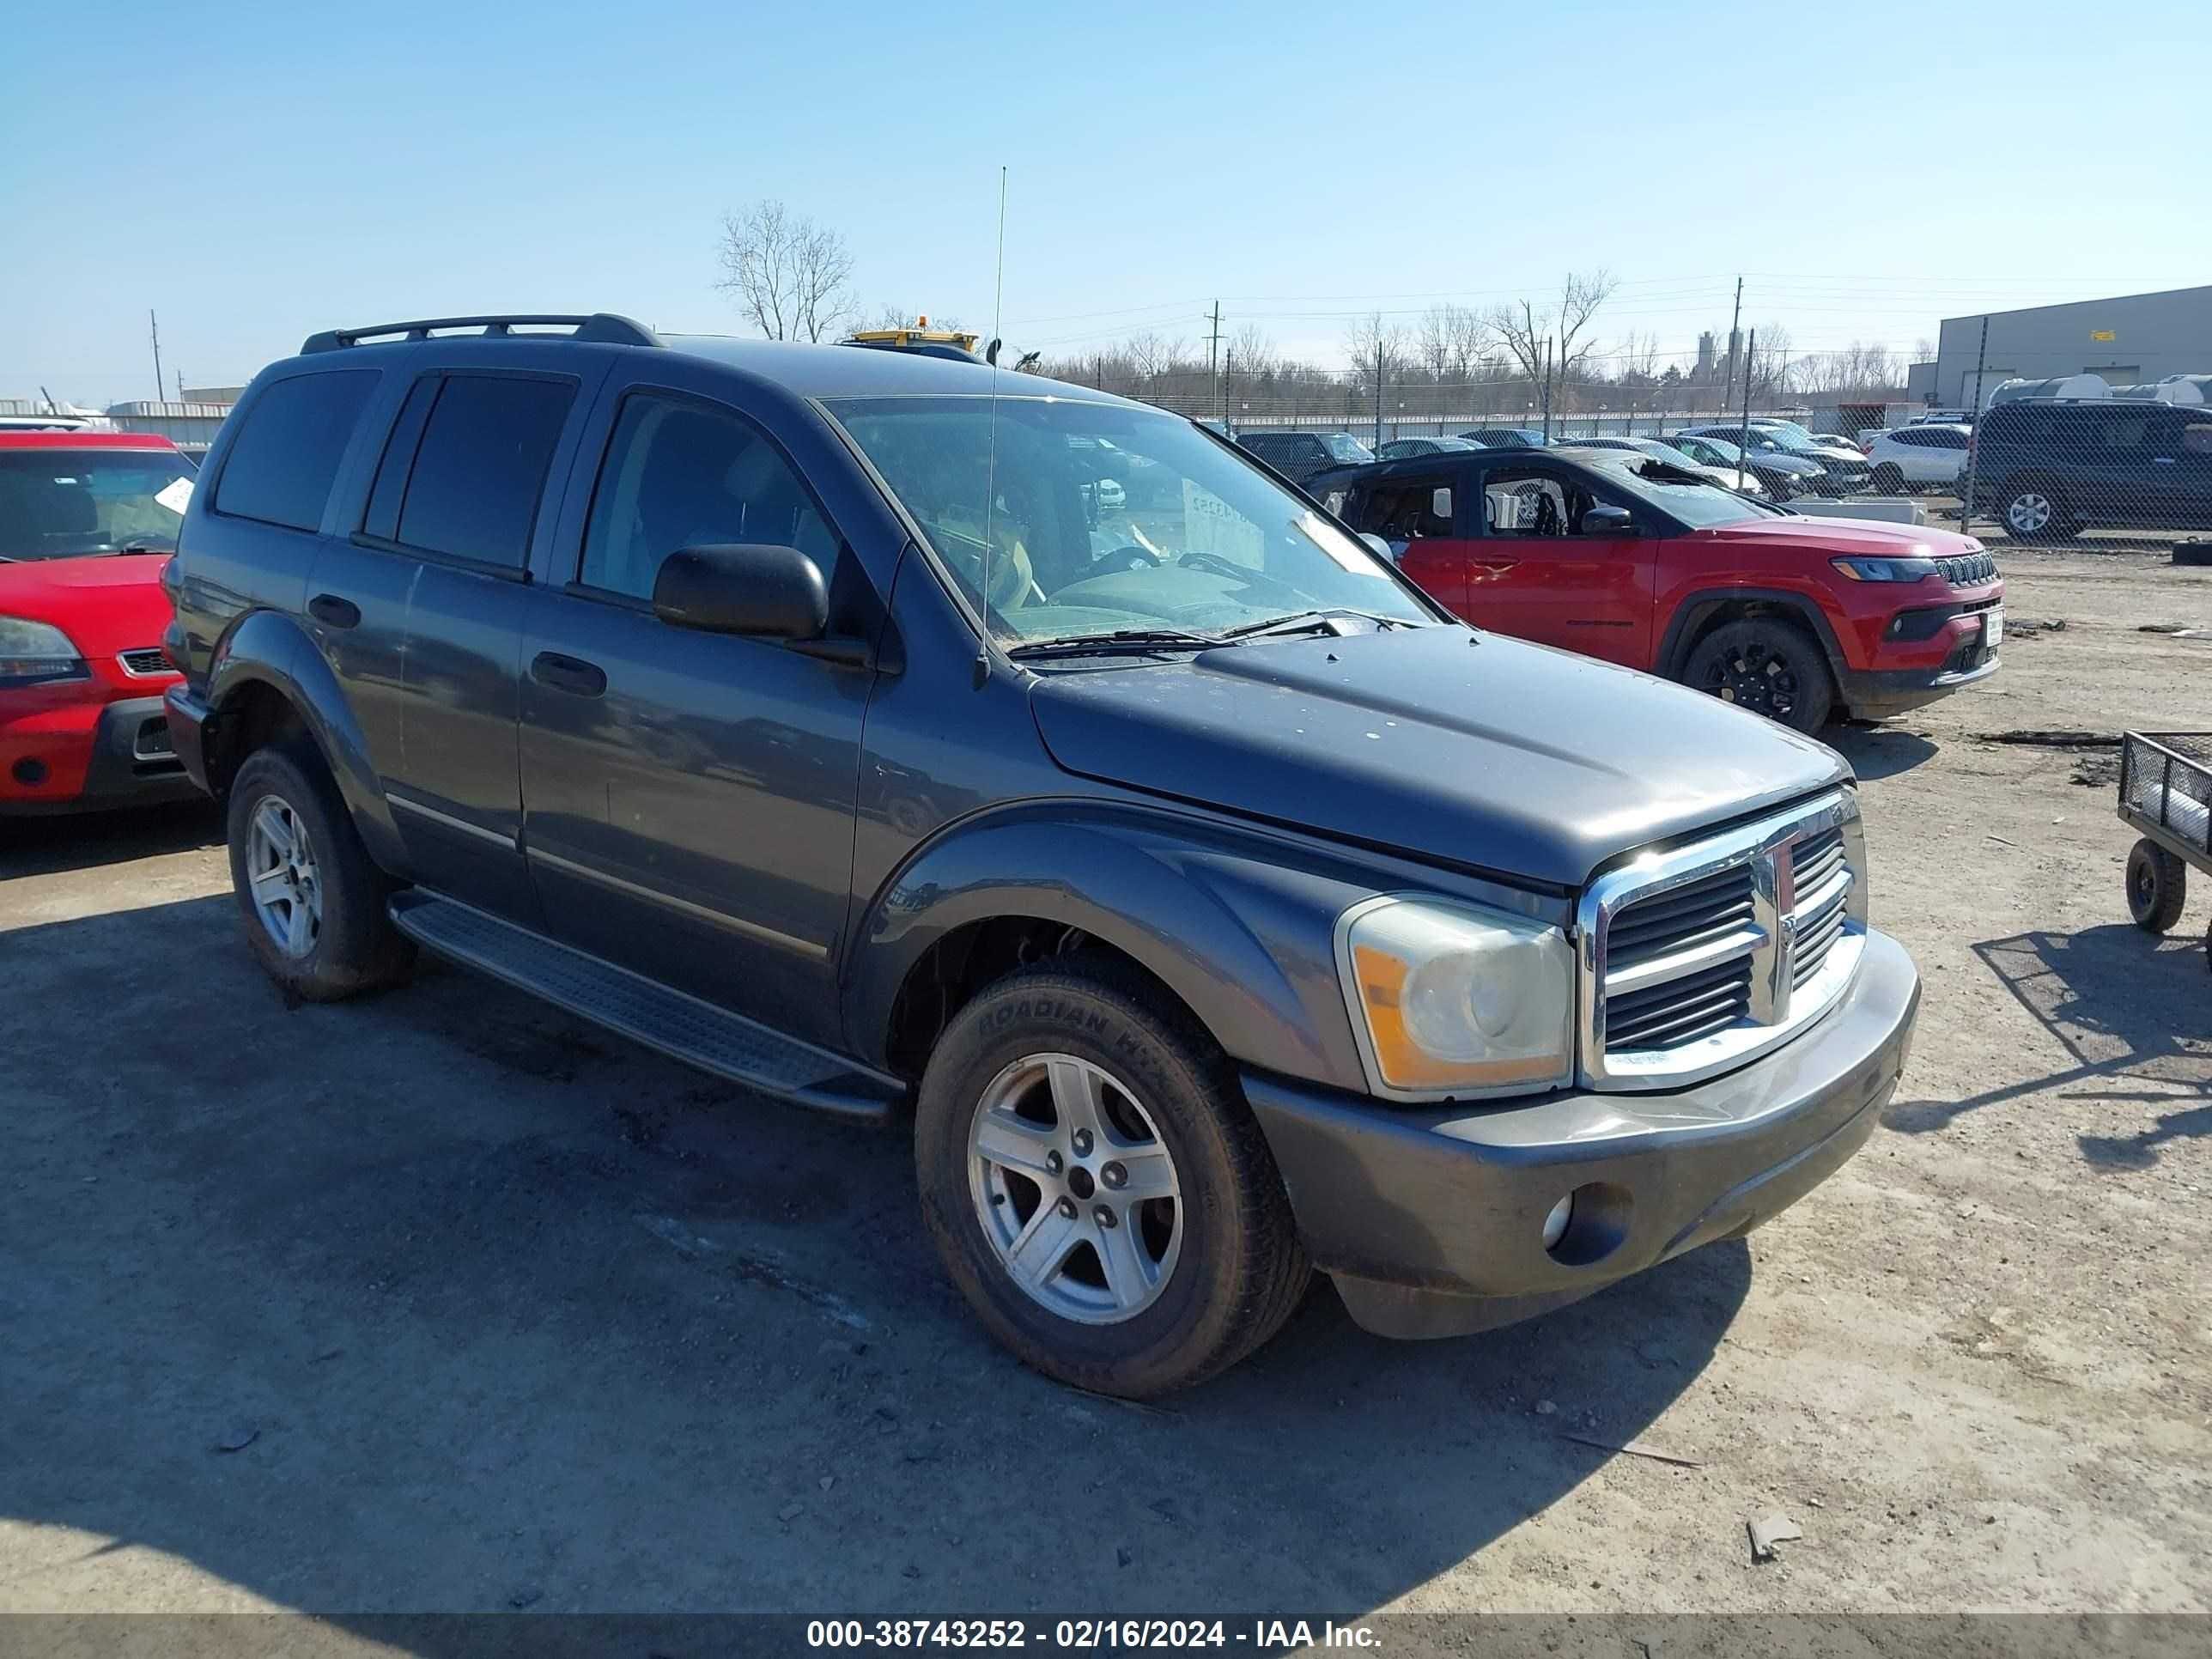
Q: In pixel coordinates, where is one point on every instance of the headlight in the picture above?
(33, 653)
(1886, 570)
(1451, 999)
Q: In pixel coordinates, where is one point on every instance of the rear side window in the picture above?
(285, 458)
(480, 468)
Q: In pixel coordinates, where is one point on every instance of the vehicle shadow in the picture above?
(1877, 751)
(84, 841)
(438, 1301)
(2124, 1006)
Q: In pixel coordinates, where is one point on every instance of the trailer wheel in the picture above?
(2157, 882)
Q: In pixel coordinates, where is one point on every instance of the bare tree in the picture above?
(1250, 351)
(789, 274)
(1524, 330)
(1371, 338)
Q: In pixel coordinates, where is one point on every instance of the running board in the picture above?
(677, 1024)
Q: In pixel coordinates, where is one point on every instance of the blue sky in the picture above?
(256, 172)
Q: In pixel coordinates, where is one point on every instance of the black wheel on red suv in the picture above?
(1767, 665)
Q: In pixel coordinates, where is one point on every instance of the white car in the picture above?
(1914, 457)
(1111, 496)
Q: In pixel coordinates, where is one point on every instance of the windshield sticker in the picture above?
(175, 495)
(1209, 525)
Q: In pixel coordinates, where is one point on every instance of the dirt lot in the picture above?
(443, 1301)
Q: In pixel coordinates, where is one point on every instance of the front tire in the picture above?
(311, 899)
(1097, 1186)
(2158, 886)
(1768, 667)
(1889, 480)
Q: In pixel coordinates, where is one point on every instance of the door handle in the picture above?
(571, 674)
(336, 612)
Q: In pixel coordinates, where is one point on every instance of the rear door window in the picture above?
(479, 470)
(285, 458)
(1413, 507)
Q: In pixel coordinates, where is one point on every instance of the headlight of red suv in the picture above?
(35, 652)
(1886, 570)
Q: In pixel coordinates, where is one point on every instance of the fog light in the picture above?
(1555, 1224)
(29, 773)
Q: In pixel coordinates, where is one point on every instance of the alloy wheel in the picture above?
(2028, 513)
(1075, 1189)
(282, 876)
(1757, 678)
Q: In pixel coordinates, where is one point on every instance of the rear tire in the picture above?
(1032, 1092)
(1768, 667)
(2158, 886)
(311, 899)
(1889, 480)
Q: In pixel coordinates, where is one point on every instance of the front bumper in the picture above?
(85, 756)
(1432, 1221)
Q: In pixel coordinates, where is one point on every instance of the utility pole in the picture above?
(1213, 356)
(1735, 343)
(1228, 386)
(1378, 387)
(154, 325)
(1746, 432)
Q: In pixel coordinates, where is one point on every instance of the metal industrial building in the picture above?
(2129, 340)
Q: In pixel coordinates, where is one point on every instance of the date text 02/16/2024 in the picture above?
(1084, 1635)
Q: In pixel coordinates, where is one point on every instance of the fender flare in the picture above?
(1692, 608)
(268, 648)
(1243, 937)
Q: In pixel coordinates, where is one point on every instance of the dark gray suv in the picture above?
(1214, 906)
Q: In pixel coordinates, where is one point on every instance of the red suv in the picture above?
(1623, 556)
(88, 519)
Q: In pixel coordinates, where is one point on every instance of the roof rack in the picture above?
(600, 328)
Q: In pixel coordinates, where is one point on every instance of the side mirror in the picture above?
(1608, 521)
(1379, 546)
(743, 587)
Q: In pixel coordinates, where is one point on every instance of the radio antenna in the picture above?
(991, 467)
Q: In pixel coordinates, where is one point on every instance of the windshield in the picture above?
(1691, 499)
(65, 503)
(1202, 540)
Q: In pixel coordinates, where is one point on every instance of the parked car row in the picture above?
(1215, 903)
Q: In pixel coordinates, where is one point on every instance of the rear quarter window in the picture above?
(281, 465)
(472, 492)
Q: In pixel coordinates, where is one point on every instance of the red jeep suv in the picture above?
(86, 521)
(1621, 555)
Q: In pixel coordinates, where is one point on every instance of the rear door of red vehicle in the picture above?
(1536, 574)
(1422, 513)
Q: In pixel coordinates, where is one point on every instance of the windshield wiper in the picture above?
(1122, 641)
(1310, 621)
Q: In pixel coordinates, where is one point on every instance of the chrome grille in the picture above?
(1698, 959)
(145, 662)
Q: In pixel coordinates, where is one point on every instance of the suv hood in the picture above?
(1474, 749)
(1872, 538)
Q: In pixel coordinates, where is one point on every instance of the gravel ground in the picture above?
(443, 1301)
